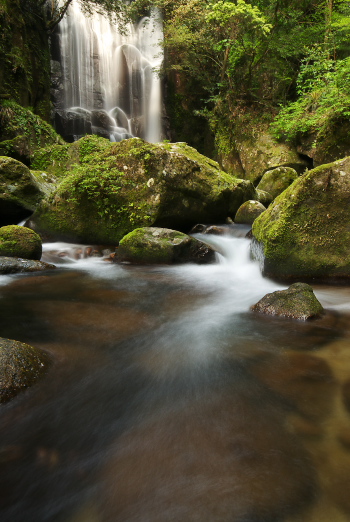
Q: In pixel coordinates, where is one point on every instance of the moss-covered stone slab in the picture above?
(21, 366)
(248, 212)
(275, 181)
(151, 245)
(297, 302)
(16, 241)
(111, 189)
(16, 265)
(305, 233)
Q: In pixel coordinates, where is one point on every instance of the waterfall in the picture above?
(108, 81)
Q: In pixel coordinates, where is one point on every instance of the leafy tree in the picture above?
(54, 10)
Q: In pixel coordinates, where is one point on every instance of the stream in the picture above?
(170, 400)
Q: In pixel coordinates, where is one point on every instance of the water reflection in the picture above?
(170, 401)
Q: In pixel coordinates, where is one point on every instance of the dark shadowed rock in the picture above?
(297, 302)
(19, 191)
(21, 366)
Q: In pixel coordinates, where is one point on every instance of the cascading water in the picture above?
(108, 81)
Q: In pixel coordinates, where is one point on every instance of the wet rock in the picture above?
(297, 302)
(14, 265)
(16, 241)
(134, 184)
(305, 233)
(161, 245)
(73, 122)
(21, 366)
(248, 212)
(217, 231)
(100, 118)
(199, 229)
(277, 180)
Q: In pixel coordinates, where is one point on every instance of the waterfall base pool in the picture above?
(170, 401)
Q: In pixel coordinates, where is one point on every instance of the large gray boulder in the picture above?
(161, 245)
(21, 366)
(297, 302)
(119, 187)
(305, 233)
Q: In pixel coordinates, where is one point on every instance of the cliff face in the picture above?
(25, 55)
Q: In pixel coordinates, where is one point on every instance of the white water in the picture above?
(117, 73)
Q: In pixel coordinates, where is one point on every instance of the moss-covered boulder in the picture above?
(264, 197)
(22, 132)
(16, 241)
(305, 233)
(248, 212)
(21, 366)
(115, 188)
(17, 265)
(257, 151)
(329, 143)
(20, 190)
(277, 180)
(161, 245)
(297, 302)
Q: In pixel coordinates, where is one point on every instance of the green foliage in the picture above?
(324, 100)
(115, 9)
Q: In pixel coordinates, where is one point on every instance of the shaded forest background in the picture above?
(230, 66)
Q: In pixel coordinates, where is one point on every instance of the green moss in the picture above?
(149, 245)
(109, 189)
(306, 230)
(16, 241)
(23, 132)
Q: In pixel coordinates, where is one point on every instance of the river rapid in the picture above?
(170, 400)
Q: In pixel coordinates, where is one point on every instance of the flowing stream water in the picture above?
(170, 400)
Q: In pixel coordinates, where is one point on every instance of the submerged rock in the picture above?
(297, 302)
(118, 187)
(305, 233)
(14, 265)
(248, 212)
(21, 366)
(277, 180)
(16, 241)
(161, 245)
